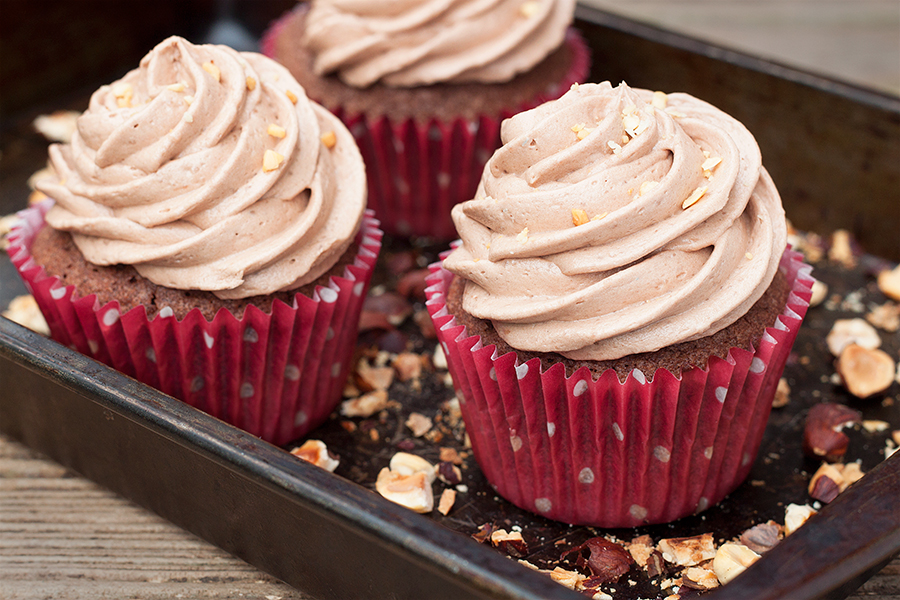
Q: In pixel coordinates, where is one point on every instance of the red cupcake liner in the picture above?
(613, 454)
(417, 171)
(276, 375)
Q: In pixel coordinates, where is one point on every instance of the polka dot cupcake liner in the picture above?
(616, 454)
(418, 170)
(276, 375)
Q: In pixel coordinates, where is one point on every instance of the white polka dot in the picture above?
(197, 383)
(551, 429)
(521, 371)
(580, 388)
(336, 369)
(398, 145)
(639, 513)
(757, 366)
(617, 431)
(721, 392)
(662, 454)
(110, 317)
(94, 346)
(493, 374)
(708, 452)
(329, 335)
(292, 372)
(703, 504)
(516, 443)
(358, 288)
(443, 179)
(328, 295)
(639, 376)
(543, 504)
(208, 340)
(150, 353)
(401, 185)
(166, 311)
(586, 476)
(745, 460)
(300, 418)
(246, 390)
(250, 335)
(57, 293)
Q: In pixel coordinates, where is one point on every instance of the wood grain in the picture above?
(62, 536)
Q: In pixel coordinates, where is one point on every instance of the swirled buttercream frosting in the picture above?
(615, 221)
(209, 169)
(406, 43)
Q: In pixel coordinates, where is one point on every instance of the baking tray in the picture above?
(329, 534)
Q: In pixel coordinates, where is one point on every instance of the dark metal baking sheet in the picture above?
(332, 537)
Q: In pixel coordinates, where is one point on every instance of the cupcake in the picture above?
(423, 86)
(207, 234)
(620, 307)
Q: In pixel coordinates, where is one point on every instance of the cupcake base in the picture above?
(276, 373)
(425, 147)
(595, 450)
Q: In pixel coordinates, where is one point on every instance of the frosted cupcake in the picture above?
(620, 308)
(208, 237)
(423, 86)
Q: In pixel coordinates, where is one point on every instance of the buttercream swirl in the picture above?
(406, 43)
(615, 221)
(205, 168)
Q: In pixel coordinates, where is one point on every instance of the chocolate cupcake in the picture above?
(208, 235)
(620, 308)
(425, 88)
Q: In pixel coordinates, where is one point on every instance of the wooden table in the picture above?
(62, 536)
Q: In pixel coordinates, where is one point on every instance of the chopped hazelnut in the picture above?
(329, 139)
(795, 515)
(366, 405)
(213, 70)
(251, 83)
(579, 217)
(731, 560)
(412, 491)
(271, 160)
(698, 578)
(825, 484)
(291, 96)
(762, 537)
(448, 498)
(865, 372)
(840, 250)
(822, 435)
(819, 293)
(408, 366)
(851, 331)
(510, 542)
(276, 130)
(694, 197)
(408, 464)
(316, 452)
(24, 311)
(688, 551)
(782, 394)
(885, 316)
(419, 424)
(889, 283)
(368, 378)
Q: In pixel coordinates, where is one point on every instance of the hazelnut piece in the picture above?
(864, 371)
(731, 560)
(822, 436)
(851, 331)
(316, 452)
(412, 491)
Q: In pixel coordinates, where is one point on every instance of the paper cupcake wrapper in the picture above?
(613, 454)
(277, 375)
(417, 171)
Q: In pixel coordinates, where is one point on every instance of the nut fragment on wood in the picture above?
(889, 283)
(419, 424)
(688, 551)
(825, 484)
(819, 293)
(365, 405)
(851, 331)
(408, 366)
(445, 504)
(410, 464)
(698, 578)
(782, 394)
(885, 316)
(731, 560)
(763, 537)
(24, 311)
(412, 491)
(864, 371)
(822, 435)
(510, 542)
(795, 515)
(316, 452)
